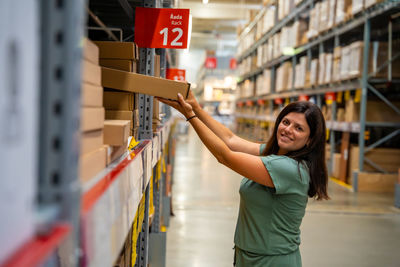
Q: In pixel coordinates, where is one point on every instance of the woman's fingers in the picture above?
(184, 104)
(166, 101)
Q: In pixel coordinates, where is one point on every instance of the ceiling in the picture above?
(214, 25)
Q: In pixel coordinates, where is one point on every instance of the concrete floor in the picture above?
(348, 230)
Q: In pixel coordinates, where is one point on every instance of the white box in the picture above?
(19, 90)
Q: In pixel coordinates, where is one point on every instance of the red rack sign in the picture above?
(161, 27)
(176, 74)
(211, 63)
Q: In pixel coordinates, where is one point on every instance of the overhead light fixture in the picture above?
(205, 2)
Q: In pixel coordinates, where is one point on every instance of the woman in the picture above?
(279, 178)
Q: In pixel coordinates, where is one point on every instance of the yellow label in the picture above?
(347, 96)
(339, 97)
(133, 143)
(151, 203)
(328, 132)
(366, 135)
(135, 236)
(357, 97)
(164, 169)
(287, 101)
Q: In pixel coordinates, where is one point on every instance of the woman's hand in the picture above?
(193, 102)
(181, 105)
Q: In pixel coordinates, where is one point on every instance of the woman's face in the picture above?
(293, 133)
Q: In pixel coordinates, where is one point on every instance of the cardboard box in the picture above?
(117, 151)
(376, 182)
(114, 100)
(336, 63)
(92, 95)
(138, 83)
(117, 50)
(314, 70)
(387, 158)
(342, 9)
(132, 116)
(92, 163)
(352, 111)
(336, 165)
(92, 118)
(357, 6)
(323, 16)
(91, 73)
(322, 66)
(369, 3)
(91, 141)
(345, 62)
(328, 67)
(119, 64)
(331, 15)
(379, 55)
(116, 132)
(90, 51)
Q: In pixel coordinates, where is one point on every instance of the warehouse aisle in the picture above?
(349, 230)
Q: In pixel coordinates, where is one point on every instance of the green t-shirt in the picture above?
(269, 218)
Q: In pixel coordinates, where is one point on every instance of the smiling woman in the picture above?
(278, 178)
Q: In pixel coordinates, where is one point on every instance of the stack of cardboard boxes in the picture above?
(120, 105)
(93, 154)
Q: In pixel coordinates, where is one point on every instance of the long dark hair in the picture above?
(313, 154)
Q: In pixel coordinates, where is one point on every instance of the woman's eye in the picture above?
(285, 122)
(299, 129)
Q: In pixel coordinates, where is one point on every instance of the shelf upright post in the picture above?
(273, 79)
(390, 43)
(143, 242)
(363, 104)
(332, 141)
(294, 62)
(146, 63)
(62, 24)
(320, 51)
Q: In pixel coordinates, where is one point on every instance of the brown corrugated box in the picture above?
(138, 83)
(387, 158)
(92, 118)
(92, 163)
(114, 100)
(119, 64)
(116, 151)
(91, 51)
(91, 73)
(336, 165)
(91, 141)
(117, 50)
(92, 95)
(116, 132)
(132, 116)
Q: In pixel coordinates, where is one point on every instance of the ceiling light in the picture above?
(205, 2)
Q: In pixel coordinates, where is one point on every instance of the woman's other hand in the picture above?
(193, 102)
(181, 105)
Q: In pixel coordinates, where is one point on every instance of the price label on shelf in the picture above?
(176, 74)
(161, 27)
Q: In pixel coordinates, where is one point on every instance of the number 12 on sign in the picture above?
(161, 27)
(175, 41)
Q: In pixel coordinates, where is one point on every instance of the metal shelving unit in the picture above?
(86, 224)
(362, 23)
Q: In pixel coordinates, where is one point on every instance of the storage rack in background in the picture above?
(265, 68)
(119, 217)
